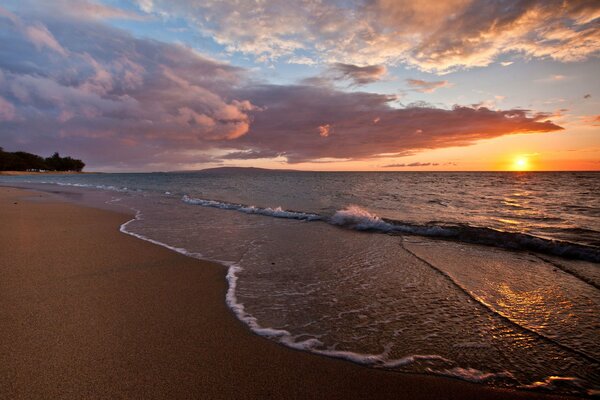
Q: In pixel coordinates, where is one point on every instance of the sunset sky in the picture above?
(390, 85)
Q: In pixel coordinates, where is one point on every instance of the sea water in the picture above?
(487, 277)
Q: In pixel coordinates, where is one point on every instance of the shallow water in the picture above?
(325, 273)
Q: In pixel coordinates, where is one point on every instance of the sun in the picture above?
(521, 164)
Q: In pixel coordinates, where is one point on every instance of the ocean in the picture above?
(487, 277)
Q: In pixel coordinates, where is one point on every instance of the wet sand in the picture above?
(89, 312)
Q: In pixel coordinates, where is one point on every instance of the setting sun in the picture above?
(521, 164)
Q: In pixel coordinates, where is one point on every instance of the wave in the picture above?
(355, 217)
(277, 212)
(87, 185)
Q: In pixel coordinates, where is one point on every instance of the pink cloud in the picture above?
(36, 32)
(41, 37)
(324, 130)
(593, 120)
(425, 86)
(7, 110)
(399, 131)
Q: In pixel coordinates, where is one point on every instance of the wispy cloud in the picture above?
(352, 75)
(434, 37)
(358, 75)
(413, 164)
(425, 86)
(35, 32)
(7, 110)
(593, 120)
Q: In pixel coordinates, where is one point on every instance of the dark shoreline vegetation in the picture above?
(23, 161)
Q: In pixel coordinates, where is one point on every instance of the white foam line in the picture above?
(232, 270)
(277, 212)
(473, 375)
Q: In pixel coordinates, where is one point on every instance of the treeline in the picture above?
(22, 161)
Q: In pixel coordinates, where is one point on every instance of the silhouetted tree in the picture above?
(22, 161)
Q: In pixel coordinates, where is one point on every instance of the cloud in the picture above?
(87, 9)
(324, 130)
(482, 30)
(353, 75)
(286, 124)
(7, 110)
(593, 120)
(358, 75)
(425, 86)
(438, 37)
(132, 103)
(35, 32)
(39, 35)
(492, 103)
(413, 164)
(249, 155)
(145, 5)
(130, 97)
(80, 9)
(301, 60)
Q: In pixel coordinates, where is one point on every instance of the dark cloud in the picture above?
(363, 125)
(353, 75)
(358, 75)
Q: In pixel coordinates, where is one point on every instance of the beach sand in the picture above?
(89, 312)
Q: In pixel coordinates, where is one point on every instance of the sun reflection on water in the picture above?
(534, 308)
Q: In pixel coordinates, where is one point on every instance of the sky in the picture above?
(391, 85)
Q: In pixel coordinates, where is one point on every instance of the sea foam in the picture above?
(276, 212)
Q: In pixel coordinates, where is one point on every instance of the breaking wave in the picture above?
(357, 218)
(277, 212)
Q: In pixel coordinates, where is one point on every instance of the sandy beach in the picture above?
(89, 312)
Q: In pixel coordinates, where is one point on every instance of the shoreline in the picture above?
(105, 314)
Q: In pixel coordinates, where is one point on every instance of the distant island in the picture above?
(23, 161)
